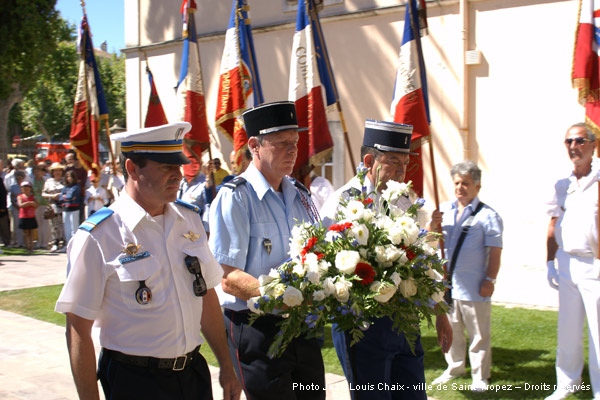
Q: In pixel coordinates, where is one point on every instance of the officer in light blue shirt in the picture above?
(251, 221)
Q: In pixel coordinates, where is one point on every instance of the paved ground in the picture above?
(33, 356)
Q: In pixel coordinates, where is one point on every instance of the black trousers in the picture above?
(122, 381)
(381, 366)
(297, 374)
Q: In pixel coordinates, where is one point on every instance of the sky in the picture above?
(106, 19)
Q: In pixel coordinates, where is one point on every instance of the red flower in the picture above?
(409, 253)
(319, 255)
(365, 272)
(367, 201)
(309, 245)
(340, 227)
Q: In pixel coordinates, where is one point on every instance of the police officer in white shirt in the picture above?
(141, 272)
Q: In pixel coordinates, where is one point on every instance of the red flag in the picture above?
(239, 82)
(410, 104)
(586, 68)
(90, 104)
(190, 93)
(155, 115)
(306, 90)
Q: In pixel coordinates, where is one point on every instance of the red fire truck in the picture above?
(55, 151)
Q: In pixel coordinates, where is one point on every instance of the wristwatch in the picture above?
(493, 280)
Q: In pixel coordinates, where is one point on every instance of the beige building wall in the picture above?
(519, 97)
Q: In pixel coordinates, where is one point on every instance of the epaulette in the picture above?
(96, 218)
(189, 206)
(352, 192)
(235, 182)
(300, 186)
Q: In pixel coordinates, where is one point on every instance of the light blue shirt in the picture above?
(471, 266)
(245, 219)
(193, 192)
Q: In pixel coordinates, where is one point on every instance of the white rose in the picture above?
(318, 295)
(395, 233)
(353, 210)
(292, 297)
(384, 291)
(299, 269)
(396, 278)
(251, 304)
(311, 260)
(380, 254)
(407, 287)
(368, 215)
(392, 253)
(313, 276)
(342, 290)
(438, 296)
(328, 286)
(265, 279)
(324, 265)
(273, 273)
(346, 261)
(384, 222)
(360, 232)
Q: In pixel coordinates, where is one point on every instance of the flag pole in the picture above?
(257, 88)
(315, 17)
(417, 35)
(212, 174)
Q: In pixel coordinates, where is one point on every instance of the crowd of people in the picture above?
(174, 256)
(42, 203)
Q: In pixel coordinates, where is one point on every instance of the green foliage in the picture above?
(48, 107)
(112, 72)
(30, 31)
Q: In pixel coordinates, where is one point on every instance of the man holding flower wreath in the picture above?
(383, 358)
(251, 221)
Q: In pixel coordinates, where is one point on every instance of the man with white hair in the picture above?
(573, 246)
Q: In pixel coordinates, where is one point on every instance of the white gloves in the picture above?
(552, 275)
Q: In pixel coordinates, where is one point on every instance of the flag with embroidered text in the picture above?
(586, 68)
(410, 104)
(306, 90)
(239, 82)
(190, 93)
(90, 104)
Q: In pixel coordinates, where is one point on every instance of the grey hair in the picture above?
(16, 162)
(467, 168)
(590, 135)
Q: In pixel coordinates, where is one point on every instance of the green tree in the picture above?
(30, 31)
(47, 108)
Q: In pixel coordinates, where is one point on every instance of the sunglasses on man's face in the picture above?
(578, 141)
(193, 266)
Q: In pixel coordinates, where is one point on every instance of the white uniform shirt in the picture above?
(101, 286)
(575, 204)
(96, 204)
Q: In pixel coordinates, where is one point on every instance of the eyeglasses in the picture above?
(578, 141)
(193, 266)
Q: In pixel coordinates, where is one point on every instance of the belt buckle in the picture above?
(179, 363)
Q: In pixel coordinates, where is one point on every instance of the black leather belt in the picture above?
(175, 364)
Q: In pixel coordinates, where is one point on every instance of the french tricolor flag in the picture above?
(90, 104)
(306, 90)
(239, 82)
(190, 92)
(586, 68)
(410, 104)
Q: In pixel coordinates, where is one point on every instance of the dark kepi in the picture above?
(387, 136)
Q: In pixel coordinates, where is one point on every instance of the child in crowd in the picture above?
(27, 206)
